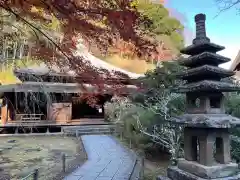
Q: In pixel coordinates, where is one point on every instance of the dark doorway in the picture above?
(83, 110)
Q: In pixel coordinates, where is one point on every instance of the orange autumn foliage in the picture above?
(76, 17)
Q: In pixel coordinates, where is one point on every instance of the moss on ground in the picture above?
(21, 155)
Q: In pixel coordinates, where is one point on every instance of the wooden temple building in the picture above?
(47, 97)
(235, 66)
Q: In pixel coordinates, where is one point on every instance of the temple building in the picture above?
(206, 126)
(47, 96)
(235, 66)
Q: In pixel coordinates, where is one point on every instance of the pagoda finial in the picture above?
(200, 29)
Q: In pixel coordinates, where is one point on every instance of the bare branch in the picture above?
(8, 9)
(227, 4)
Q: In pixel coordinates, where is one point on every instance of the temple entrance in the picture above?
(30, 103)
(83, 110)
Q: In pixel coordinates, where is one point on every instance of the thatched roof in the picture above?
(98, 63)
(43, 69)
(49, 87)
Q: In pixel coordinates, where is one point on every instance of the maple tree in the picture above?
(159, 27)
(103, 23)
(76, 17)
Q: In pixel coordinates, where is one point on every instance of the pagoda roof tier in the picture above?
(205, 72)
(207, 86)
(202, 47)
(207, 120)
(204, 58)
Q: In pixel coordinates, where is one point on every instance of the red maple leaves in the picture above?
(77, 17)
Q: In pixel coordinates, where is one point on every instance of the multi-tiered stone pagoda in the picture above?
(206, 126)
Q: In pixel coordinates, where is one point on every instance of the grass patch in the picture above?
(25, 154)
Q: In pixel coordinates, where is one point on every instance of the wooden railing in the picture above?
(29, 117)
(34, 175)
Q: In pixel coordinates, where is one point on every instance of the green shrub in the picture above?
(233, 107)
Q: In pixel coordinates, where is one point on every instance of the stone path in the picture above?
(107, 160)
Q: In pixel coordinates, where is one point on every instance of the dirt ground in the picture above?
(155, 167)
(21, 155)
(155, 164)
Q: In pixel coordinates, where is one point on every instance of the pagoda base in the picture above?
(174, 173)
(214, 171)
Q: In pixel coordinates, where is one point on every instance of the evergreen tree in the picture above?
(159, 23)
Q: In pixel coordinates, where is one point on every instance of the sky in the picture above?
(223, 29)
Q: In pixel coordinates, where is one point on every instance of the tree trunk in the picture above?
(4, 49)
(21, 49)
(29, 52)
(14, 50)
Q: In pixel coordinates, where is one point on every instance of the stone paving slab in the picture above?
(107, 160)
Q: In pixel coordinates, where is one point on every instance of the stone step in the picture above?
(88, 132)
(93, 129)
(89, 126)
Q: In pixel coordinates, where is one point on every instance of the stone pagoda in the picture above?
(206, 126)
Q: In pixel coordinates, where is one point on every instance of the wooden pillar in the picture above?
(103, 111)
(4, 112)
(15, 99)
(49, 104)
(25, 101)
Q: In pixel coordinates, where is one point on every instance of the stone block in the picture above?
(190, 145)
(208, 172)
(208, 120)
(223, 148)
(174, 173)
(206, 146)
(162, 178)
